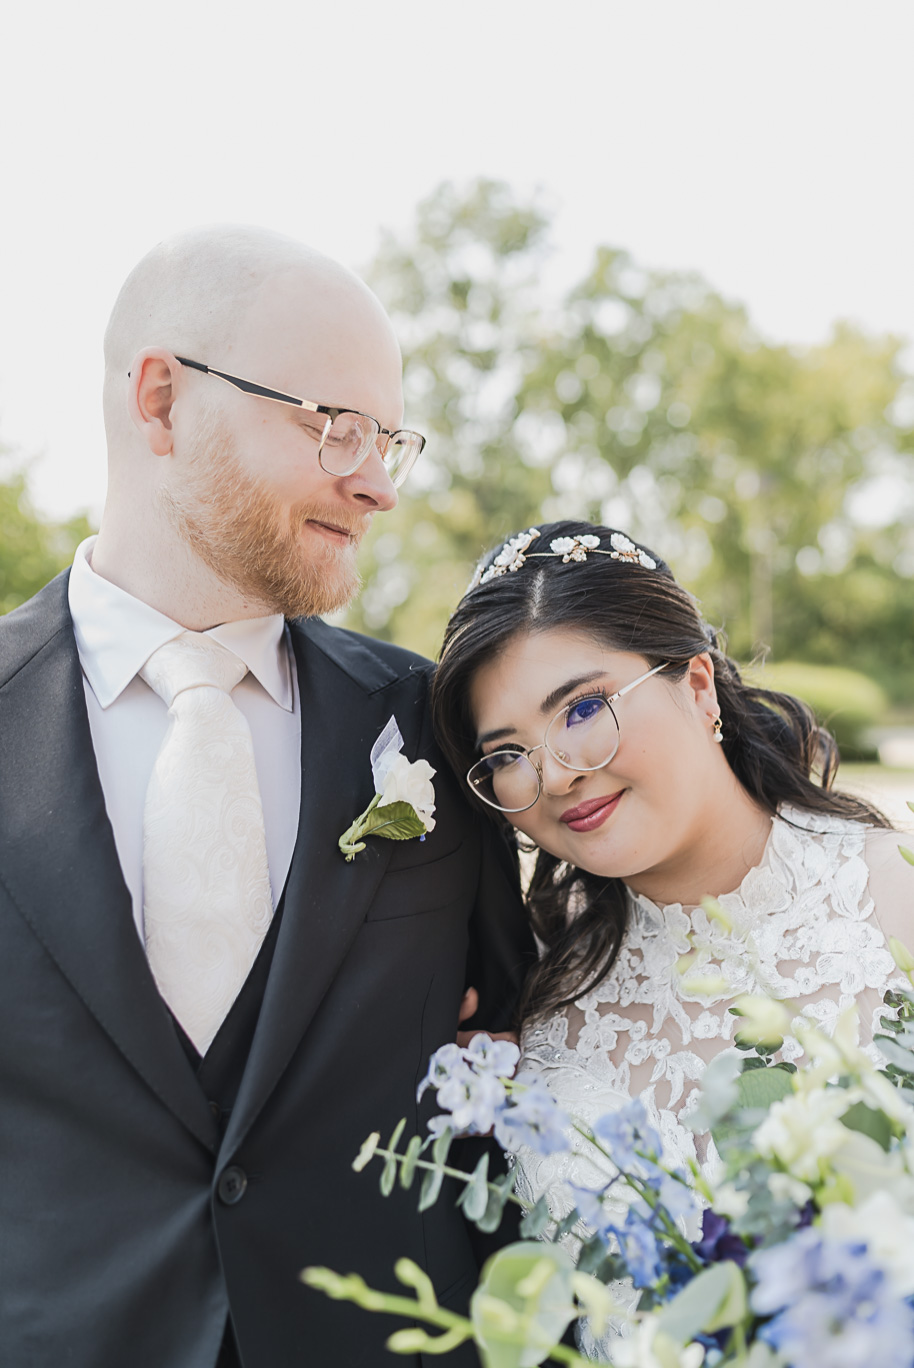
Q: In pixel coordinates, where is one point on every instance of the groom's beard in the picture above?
(240, 532)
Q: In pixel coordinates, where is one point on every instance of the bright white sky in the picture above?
(768, 145)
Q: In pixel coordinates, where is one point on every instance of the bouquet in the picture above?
(795, 1248)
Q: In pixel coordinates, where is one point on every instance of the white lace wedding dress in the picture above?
(810, 923)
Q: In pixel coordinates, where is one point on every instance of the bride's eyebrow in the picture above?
(551, 701)
(548, 705)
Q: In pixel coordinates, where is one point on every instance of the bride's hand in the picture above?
(468, 1008)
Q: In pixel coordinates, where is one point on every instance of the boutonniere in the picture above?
(404, 800)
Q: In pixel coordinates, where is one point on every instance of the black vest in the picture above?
(220, 1070)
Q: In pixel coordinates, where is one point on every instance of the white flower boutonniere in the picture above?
(404, 801)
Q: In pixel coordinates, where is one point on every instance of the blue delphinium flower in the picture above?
(831, 1306)
(589, 1203)
(498, 1057)
(532, 1118)
(447, 1062)
(626, 1131)
(673, 1191)
(640, 1248)
(634, 1146)
(469, 1089)
(473, 1101)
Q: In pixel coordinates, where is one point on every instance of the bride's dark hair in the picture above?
(771, 740)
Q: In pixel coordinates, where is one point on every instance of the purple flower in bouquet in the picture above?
(719, 1241)
(532, 1118)
(831, 1306)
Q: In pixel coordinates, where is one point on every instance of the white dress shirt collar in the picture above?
(117, 633)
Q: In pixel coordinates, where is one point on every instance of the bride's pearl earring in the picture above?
(718, 729)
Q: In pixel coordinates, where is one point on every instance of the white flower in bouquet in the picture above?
(649, 1347)
(410, 782)
(730, 1201)
(802, 1130)
(886, 1230)
(784, 1188)
(761, 1021)
(867, 1168)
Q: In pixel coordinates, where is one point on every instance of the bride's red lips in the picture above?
(588, 816)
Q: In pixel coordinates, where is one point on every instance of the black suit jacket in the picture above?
(124, 1241)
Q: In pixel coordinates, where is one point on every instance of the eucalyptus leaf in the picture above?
(441, 1146)
(714, 1300)
(528, 1288)
(491, 1218)
(398, 1130)
(869, 1122)
(535, 1220)
(475, 1196)
(408, 1167)
(592, 1255)
(895, 1054)
(567, 1223)
(761, 1087)
(388, 1176)
(431, 1186)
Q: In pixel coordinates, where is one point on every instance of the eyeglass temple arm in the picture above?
(635, 682)
(248, 386)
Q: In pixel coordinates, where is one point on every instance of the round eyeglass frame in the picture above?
(544, 745)
(397, 472)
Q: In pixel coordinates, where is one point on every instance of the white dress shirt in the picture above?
(115, 636)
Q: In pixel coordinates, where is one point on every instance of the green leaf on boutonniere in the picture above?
(394, 821)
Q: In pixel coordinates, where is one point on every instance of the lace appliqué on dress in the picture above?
(803, 929)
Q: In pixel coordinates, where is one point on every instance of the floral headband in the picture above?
(515, 553)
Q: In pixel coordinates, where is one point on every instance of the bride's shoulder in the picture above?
(891, 881)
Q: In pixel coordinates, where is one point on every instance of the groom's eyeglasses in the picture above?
(583, 736)
(345, 437)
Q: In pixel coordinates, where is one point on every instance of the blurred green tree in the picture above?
(32, 549)
(777, 481)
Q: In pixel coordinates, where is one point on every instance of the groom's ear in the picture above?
(154, 378)
(700, 681)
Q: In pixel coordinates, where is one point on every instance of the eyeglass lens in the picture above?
(584, 736)
(349, 438)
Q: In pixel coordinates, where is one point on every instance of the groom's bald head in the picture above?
(220, 294)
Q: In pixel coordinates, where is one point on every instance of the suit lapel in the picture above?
(59, 863)
(344, 705)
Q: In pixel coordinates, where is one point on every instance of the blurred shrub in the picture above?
(33, 549)
(845, 701)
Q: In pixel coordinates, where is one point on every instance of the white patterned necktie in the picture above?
(206, 882)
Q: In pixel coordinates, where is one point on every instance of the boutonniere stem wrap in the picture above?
(404, 803)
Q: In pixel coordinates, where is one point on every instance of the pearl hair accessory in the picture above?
(515, 553)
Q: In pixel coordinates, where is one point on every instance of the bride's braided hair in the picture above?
(771, 740)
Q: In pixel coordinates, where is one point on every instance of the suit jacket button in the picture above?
(232, 1184)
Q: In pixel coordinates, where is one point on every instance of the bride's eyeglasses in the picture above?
(583, 736)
